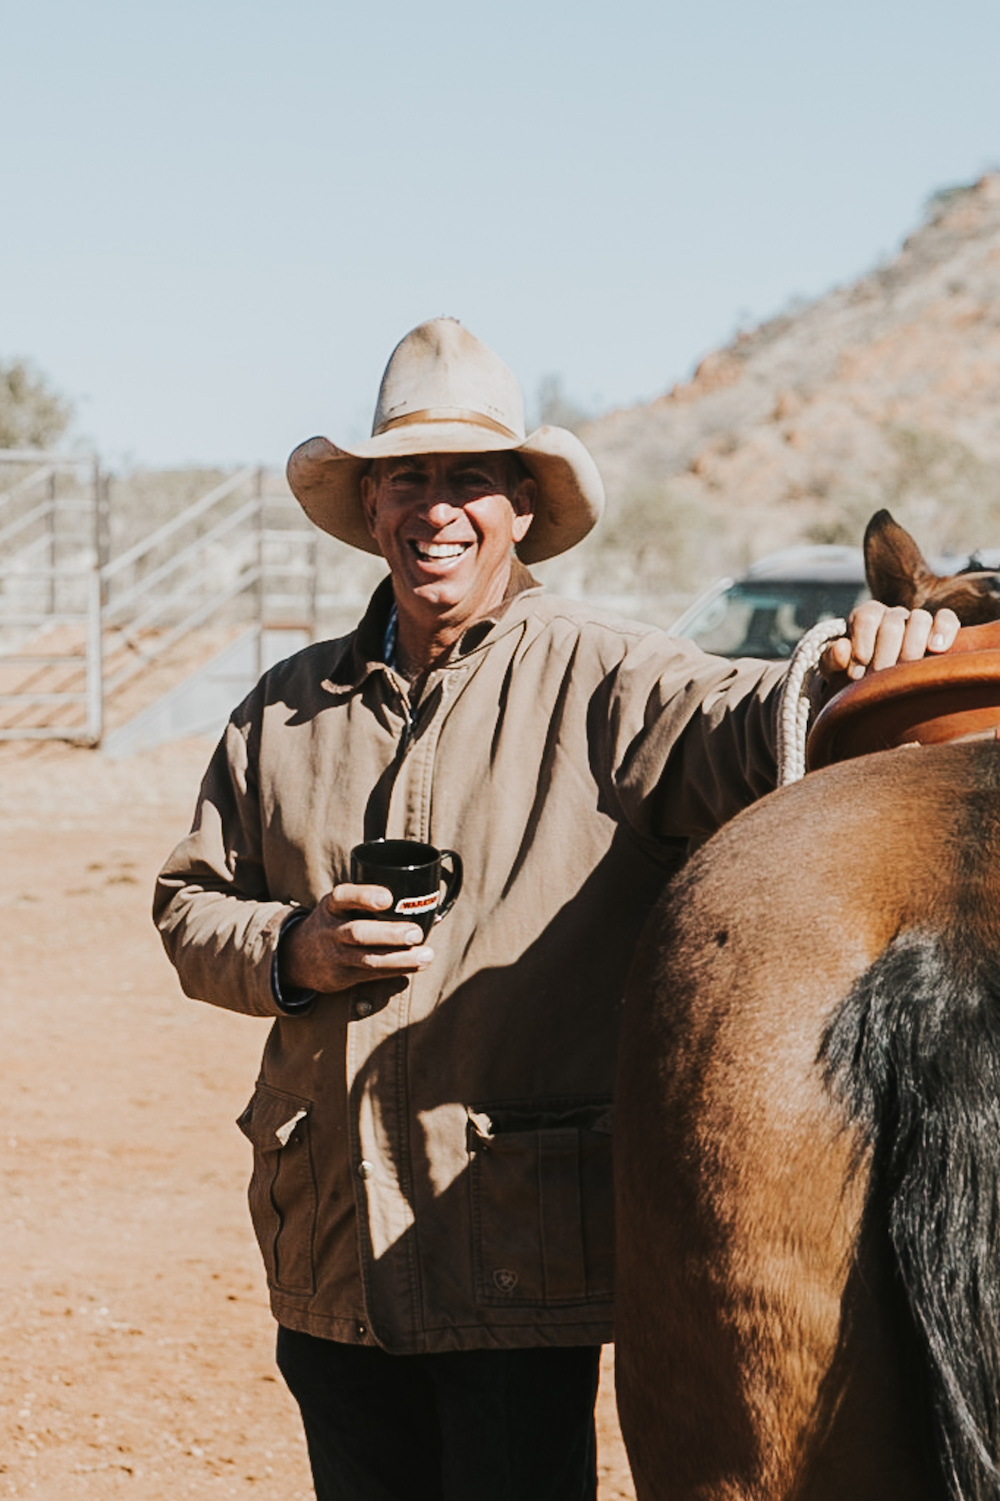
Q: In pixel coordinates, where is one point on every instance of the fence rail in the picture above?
(77, 625)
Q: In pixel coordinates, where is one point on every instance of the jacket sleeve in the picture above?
(212, 907)
(691, 738)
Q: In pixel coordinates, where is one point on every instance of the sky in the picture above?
(217, 218)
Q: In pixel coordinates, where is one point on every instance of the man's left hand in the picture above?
(880, 636)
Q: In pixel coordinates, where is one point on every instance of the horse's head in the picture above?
(899, 574)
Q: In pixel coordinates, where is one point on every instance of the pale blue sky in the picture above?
(219, 217)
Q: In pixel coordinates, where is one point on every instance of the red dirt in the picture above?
(137, 1357)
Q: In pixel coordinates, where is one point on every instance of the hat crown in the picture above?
(441, 372)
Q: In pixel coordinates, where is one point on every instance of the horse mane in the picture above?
(914, 1053)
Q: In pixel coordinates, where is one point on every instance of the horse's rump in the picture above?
(808, 1083)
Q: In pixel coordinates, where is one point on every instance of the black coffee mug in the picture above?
(415, 874)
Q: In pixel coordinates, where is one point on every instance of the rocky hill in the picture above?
(885, 392)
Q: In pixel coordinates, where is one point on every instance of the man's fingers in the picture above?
(902, 637)
(350, 898)
(864, 626)
(836, 657)
(880, 637)
(391, 961)
(339, 946)
(365, 934)
(944, 629)
(916, 636)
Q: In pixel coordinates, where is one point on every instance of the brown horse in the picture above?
(808, 1145)
(899, 574)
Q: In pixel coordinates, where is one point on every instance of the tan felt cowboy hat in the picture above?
(444, 392)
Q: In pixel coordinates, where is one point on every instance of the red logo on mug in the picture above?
(418, 903)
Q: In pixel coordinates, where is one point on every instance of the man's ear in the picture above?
(523, 501)
(368, 495)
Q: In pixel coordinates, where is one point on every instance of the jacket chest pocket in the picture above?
(542, 1205)
(283, 1198)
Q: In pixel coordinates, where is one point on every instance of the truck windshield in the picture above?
(766, 617)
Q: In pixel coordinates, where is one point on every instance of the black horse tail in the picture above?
(914, 1052)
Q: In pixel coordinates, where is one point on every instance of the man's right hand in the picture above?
(336, 947)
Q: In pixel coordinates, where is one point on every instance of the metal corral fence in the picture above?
(82, 630)
(114, 590)
(52, 537)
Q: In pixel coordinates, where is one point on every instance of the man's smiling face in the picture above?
(445, 523)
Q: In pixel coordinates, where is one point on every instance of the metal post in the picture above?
(52, 543)
(95, 611)
(102, 493)
(95, 660)
(259, 588)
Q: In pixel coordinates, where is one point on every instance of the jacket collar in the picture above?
(361, 653)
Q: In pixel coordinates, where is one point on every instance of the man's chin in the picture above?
(450, 601)
(438, 598)
(453, 575)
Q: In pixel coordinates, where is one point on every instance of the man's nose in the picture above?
(439, 505)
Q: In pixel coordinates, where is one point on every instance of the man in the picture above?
(431, 1127)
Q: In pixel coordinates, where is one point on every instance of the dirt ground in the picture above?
(137, 1350)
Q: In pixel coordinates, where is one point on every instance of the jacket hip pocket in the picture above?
(282, 1195)
(542, 1204)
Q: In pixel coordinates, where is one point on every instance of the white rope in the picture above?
(794, 704)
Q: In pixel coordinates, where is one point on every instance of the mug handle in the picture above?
(452, 882)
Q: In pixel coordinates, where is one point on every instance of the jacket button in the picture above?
(365, 1169)
(364, 1008)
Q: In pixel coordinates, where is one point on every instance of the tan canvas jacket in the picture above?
(432, 1159)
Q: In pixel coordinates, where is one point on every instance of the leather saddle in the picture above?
(954, 696)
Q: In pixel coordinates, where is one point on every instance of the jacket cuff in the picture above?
(291, 1000)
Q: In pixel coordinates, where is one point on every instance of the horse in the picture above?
(897, 573)
(807, 1133)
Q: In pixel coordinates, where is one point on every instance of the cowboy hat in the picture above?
(443, 391)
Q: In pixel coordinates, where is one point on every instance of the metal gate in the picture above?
(80, 628)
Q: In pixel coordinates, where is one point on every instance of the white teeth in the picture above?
(440, 549)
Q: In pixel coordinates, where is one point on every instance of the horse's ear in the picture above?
(896, 569)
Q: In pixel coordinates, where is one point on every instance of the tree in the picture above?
(32, 415)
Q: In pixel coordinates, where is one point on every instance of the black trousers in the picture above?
(477, 1425)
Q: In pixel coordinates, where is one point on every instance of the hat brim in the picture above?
(326, 480)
